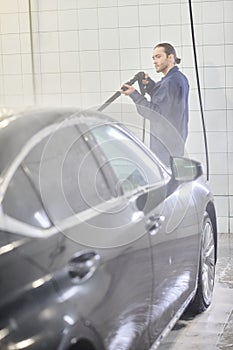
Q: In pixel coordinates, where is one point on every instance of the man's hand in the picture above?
(127, 89)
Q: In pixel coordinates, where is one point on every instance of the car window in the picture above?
(66, 174)
(22, 203)
(132, 166)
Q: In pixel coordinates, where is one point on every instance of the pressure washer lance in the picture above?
(138, 77)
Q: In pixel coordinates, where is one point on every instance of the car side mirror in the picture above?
(185, 169)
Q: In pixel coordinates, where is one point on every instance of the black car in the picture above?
(102, 247)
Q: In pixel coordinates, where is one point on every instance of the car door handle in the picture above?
(83, 265)
(154, 222)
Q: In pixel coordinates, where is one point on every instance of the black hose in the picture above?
(32, 52)
(199, 89)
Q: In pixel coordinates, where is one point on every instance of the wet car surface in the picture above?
(101, 245)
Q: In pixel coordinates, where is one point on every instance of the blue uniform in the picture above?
(167, 111)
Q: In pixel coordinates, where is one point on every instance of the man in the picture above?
(167, 107)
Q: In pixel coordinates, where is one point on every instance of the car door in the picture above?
(175, 244)
(172, 225)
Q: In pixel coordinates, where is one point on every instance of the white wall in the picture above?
(82, 50)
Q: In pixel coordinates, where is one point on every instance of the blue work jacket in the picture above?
(168, 112)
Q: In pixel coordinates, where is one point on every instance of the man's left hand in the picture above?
(127, 89)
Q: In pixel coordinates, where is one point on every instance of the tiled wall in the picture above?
(80, 52)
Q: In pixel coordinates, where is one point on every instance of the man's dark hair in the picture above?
(169, 49)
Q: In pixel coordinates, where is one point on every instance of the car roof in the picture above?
(17, 127)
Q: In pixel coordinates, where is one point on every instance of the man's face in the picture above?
(162, 62)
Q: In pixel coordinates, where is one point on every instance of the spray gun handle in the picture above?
(138, 77)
